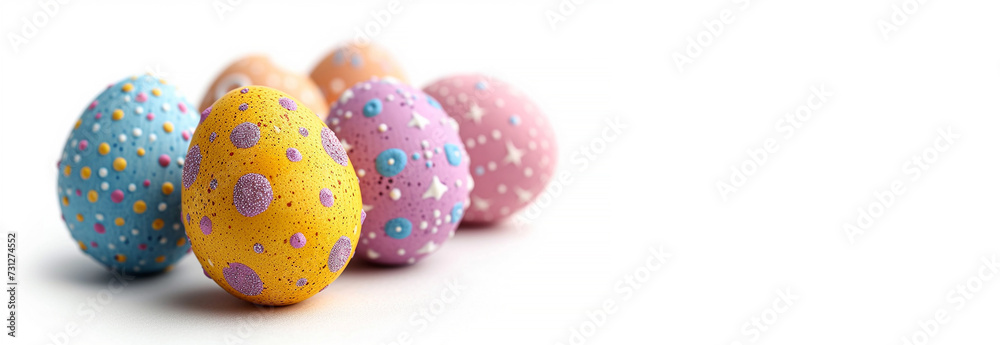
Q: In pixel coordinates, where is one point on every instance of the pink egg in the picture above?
(411, 165)
(511, 144)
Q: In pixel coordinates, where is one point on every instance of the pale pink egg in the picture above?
(511, 144)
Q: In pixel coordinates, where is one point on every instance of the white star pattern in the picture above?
(428, 248)
(418, 121)
(436, 189)
(523, 195)
(480, 204)
(346, 96)
(513, 154)
(475, 113)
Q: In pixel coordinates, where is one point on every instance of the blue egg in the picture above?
(119, 178)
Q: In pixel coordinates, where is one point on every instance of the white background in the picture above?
(654, 186)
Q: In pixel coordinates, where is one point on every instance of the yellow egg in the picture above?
(271, 204)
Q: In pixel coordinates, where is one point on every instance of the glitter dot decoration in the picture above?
(412, 173)
(266, 208)
(115, 196)
(510, 142)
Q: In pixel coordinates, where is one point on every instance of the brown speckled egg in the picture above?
(260, 70)
(351, 64)
(271, 202)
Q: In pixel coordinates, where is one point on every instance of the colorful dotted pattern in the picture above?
(351, 64)
(119, 203)
(511, 143)
(268, 209)
(408, 198)
(260, 70)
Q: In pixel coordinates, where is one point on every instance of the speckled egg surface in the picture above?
(120, 175)
(352, 64)
(413, 169)
(260, 70)
(271, 201)
(511, 144)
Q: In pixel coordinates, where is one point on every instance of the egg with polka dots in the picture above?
(120, 175)
(271, 201)
(511, 143)
(412, 166)
(350, 64)
(258, 69)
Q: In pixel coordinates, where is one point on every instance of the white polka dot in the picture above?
(102, 172)
(104, 186)
(97, 127)
(131, 187)
(395, 194)
(502, 188)
(136, 132)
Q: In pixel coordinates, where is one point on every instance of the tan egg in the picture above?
(260, 70)
(351, 64)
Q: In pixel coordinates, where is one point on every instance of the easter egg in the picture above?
(120, 175)
(271, 201)
(511, 144)
(350, 64)
(413, 169)
(260, 70)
